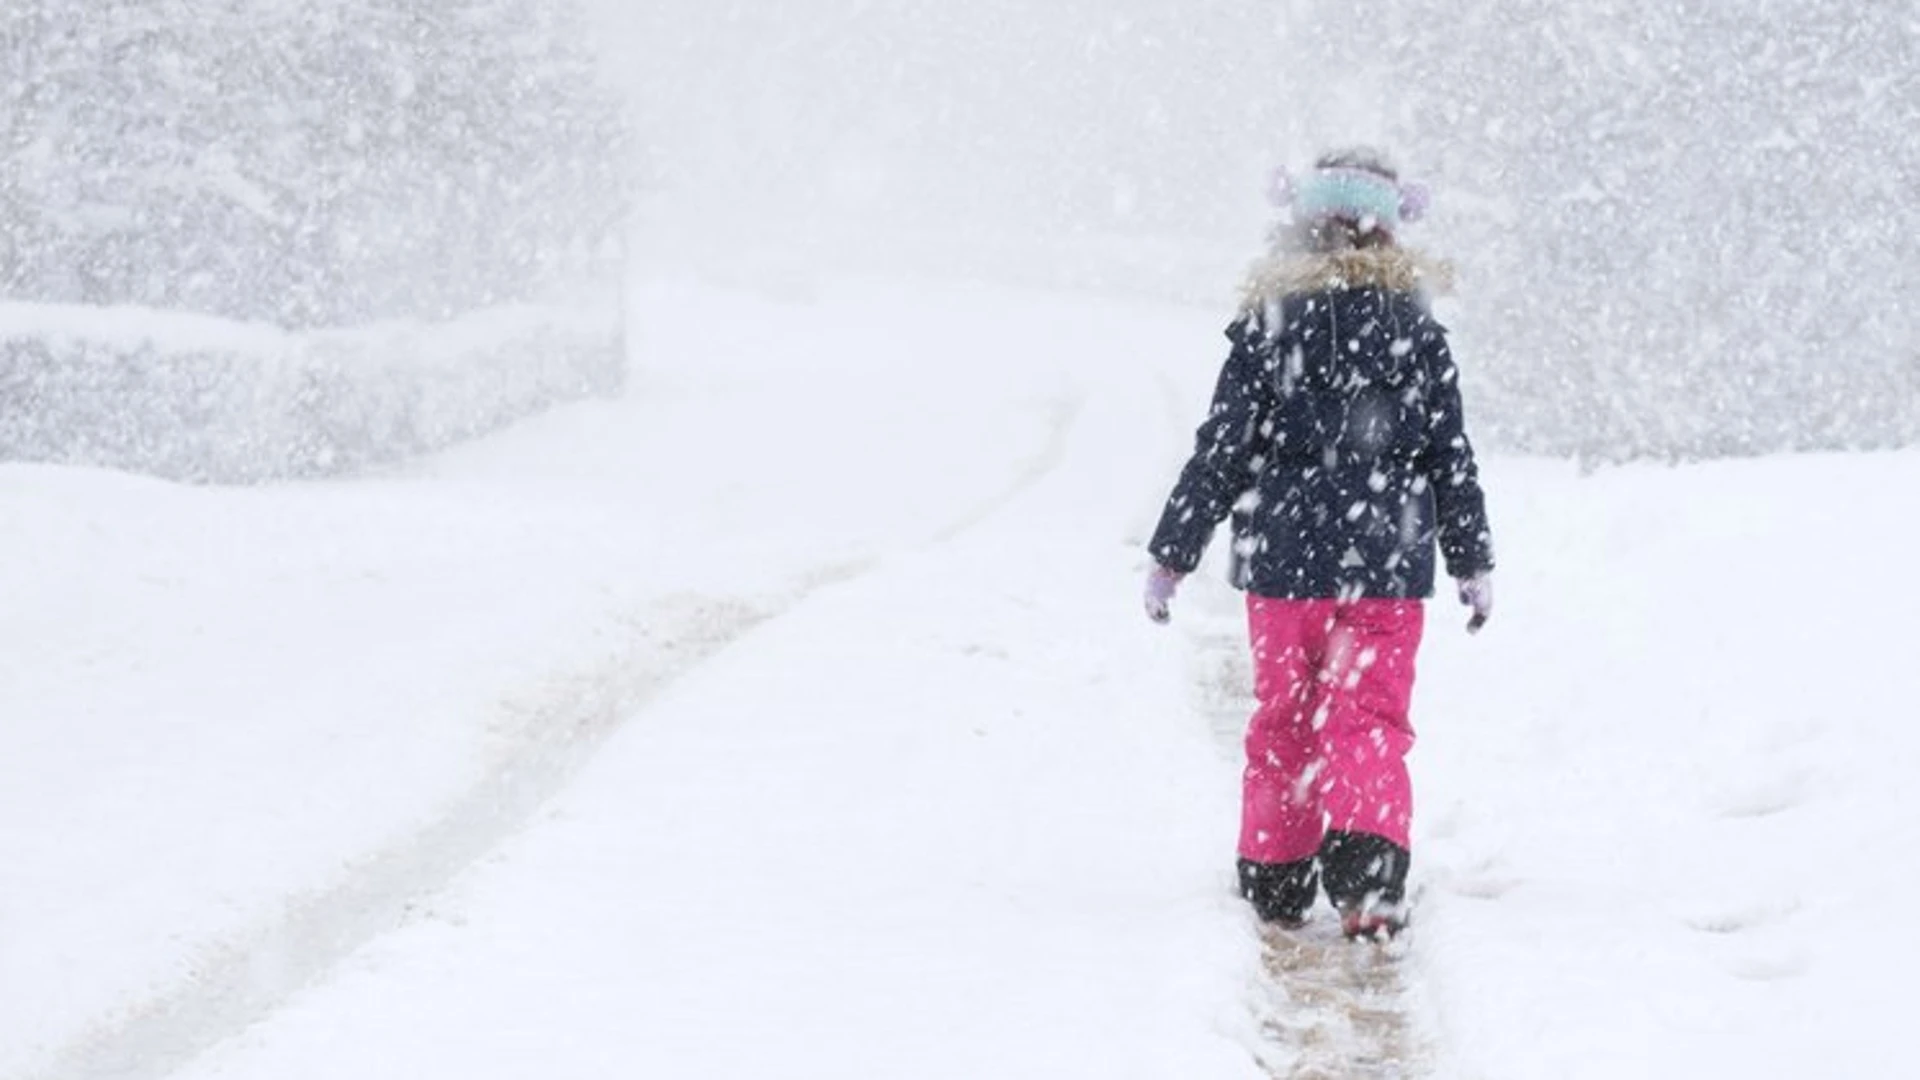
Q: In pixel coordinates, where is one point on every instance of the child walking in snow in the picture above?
(1337, 446)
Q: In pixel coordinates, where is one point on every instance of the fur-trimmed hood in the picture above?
(1397, 268)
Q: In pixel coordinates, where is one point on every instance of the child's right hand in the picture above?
(1162, 583)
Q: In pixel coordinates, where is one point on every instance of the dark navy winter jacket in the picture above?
(1337, 445)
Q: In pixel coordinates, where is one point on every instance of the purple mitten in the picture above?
(1162, 583)
(1477, 593)
(1415, 198)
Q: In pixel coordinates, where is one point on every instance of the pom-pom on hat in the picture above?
(1357, 184)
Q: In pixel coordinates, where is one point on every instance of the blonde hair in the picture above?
(1332, 235)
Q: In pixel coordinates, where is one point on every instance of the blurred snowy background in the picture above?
(1684, 230)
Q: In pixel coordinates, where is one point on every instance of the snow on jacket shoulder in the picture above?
(1335, 440)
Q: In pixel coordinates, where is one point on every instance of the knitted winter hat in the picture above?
(1358, 184)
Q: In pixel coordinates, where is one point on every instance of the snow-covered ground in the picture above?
(795, 717)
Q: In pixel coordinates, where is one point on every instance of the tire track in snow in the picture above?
(546, 736)
(1061, 419)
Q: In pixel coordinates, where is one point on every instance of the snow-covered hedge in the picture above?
(321, 164)
(194, 398)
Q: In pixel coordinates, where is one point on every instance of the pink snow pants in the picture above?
(1327, 744)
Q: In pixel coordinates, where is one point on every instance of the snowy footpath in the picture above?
(795, 717)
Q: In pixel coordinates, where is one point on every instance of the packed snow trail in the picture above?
(1340, 1011)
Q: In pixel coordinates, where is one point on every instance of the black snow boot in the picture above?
(1366, 879)
(1280, 892)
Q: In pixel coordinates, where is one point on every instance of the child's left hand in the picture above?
(1477, 593)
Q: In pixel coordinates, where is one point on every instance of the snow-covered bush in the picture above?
(197, 398)
(321, 163)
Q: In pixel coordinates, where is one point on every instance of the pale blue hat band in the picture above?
(1357, 195)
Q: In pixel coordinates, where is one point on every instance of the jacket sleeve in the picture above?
(1225, 456)
(1466, 541)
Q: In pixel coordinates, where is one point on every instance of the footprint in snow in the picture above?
(1765, 798)
(1750, 953)
(1784, 963)
(1735, 919)
(1483, 886)
(1476, 878)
